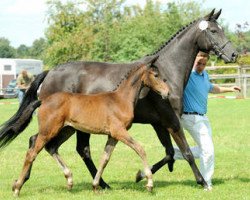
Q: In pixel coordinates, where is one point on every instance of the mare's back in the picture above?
(84, 77)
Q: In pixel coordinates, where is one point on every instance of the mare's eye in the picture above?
(156, 75)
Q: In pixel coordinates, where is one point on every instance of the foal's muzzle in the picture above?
(165, 95)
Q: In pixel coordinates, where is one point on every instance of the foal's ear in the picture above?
(150, 59)
(209, 16)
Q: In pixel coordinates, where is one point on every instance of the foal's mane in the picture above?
(185, 27)
(126, 76)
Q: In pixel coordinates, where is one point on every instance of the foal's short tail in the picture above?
(21, 119)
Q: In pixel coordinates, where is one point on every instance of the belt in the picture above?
(193, 113)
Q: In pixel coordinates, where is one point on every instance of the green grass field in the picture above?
(230, 121)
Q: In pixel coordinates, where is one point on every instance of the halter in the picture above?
(219, 50)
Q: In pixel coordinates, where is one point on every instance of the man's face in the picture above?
(24, 73)
(200, 64)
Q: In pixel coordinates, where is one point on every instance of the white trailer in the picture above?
(10, 68)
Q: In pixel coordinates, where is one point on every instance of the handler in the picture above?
(24, 80)
(194, 118)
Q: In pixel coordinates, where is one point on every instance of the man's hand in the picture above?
(235, 89)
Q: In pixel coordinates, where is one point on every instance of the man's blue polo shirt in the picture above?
(196, 93)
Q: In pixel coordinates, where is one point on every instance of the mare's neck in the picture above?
(175, 63)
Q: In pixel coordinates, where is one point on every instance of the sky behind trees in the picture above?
(23, 21)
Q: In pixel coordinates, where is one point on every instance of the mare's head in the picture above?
(151, 79)
(211, 37)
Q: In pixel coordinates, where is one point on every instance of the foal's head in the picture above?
(151, 79)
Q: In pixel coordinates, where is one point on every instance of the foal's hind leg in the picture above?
(52, 148)
(32, 141)
(30, 157)
(109, 147)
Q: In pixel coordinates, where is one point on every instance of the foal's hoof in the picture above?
(95, 188)
(138, 177)
(69, 186)
(149, 188)
(15, 190)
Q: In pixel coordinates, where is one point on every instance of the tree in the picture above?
(22, 51)
(107, 30)
(6, 51)
(37, 48)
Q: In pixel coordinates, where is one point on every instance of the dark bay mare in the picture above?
(175, 61)
(108, 113)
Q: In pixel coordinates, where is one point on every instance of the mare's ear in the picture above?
(216, 15)
(208, 17)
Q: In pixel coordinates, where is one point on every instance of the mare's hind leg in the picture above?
(109, 147)
(30, 157)
(52, 148)
(83, 150)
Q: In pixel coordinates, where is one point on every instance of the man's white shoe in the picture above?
(209, 188)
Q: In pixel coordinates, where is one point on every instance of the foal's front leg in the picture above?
(83, 149)
(109, 147)
(123, 136)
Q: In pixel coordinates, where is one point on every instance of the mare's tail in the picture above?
(21, 119)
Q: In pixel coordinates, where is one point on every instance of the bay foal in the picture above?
(108, 113)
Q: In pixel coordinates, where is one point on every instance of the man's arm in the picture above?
(216, 89)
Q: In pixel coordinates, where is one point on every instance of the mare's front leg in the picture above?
(145, 112)
(166, 141)
(163, 135)
(172, 123)
(83, 150)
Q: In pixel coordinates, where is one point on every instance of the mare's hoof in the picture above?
(149, 188)
(105, 186)
(171, 165)
(138, 177)
(202, 182)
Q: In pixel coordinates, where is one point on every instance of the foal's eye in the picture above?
(214, 31)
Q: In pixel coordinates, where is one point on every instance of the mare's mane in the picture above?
(173, 37)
